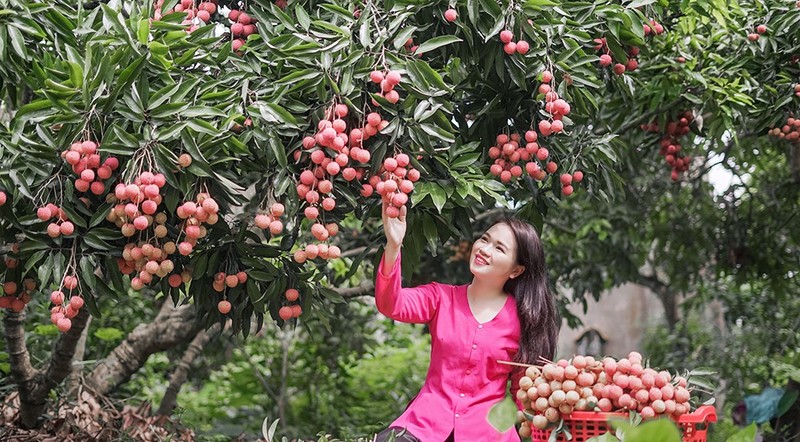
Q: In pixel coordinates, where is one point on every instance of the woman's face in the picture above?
(494, 254)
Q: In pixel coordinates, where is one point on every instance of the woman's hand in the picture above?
(394, 228)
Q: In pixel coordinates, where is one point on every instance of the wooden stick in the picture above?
(518, 364)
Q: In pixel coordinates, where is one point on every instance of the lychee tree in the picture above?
(210, 150)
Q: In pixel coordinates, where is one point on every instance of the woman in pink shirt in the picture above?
(507, 313)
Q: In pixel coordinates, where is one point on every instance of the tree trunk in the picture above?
(34, 385)
(794, 162)
(668, 298)
(181, 372)
(74, 379)
(286, 343)
(787, 427)
(670, 302)
(172, 326)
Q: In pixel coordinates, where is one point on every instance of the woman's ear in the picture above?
(518, 271)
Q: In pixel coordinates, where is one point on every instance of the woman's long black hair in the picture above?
(536, 307)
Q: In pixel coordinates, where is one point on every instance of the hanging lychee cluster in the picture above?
(242, 26)
(137, 203)
(394, 182)
(197, 13)
(669, 145)
(606, 58)
(65, 309)
(293, 310)
(16, 294)
(85, 160)
(203, 210)
(62, 224)
(387, 80)
(511, 159)
(790, 131)
(270, 220)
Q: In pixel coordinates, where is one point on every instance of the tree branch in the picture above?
(353, 252)
(559, 227)
(21, 369)
(77, 369)
(366, 288)
(725, 154)
(181, 373)
(260, 377)
(645, 116)
(664, 294)
(22, 372)
(35, 385)
(172, 326)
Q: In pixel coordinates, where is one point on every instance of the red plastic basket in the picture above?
(584, 425)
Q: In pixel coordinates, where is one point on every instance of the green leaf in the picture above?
(787, 400)
(430, 75)
(659, 430)
(536, 5)
(130, 73)
(746, 434)
(503, 415)
(436, 42)
(93, 241)
(75, 74)
(298, 75)
(302, 16)
(46, 330)
(465, 160)
(73, 216)
(338, 10)
(639, 3)
(430, 233)
(168, 110)
(438, 196)
(35, 108)
(202, 111)
(276, 113)
(109, 334)
(605, 437)
(87, 272)
(17, 41)
(403, 36)
(99, 215)
(279, 151)
(143, 32)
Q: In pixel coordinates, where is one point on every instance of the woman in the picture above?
(506, 314)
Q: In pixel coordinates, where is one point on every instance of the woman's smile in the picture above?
(480, 261)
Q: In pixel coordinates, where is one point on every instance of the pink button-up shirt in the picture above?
(464, 379)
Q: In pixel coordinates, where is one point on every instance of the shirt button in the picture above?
(469, 371)
(480, 326)
(474, 346)
(458, 415)
(462, 395)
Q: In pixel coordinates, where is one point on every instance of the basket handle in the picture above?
(706, 413)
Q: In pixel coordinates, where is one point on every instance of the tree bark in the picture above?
(181, 372)
(787, 427)
(286, 343)
(668, 298)
(794, 162)
(366, 288)
(77, 369)
(172, 326)
(34, 385)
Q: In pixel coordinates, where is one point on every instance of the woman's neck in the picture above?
(482, 289)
